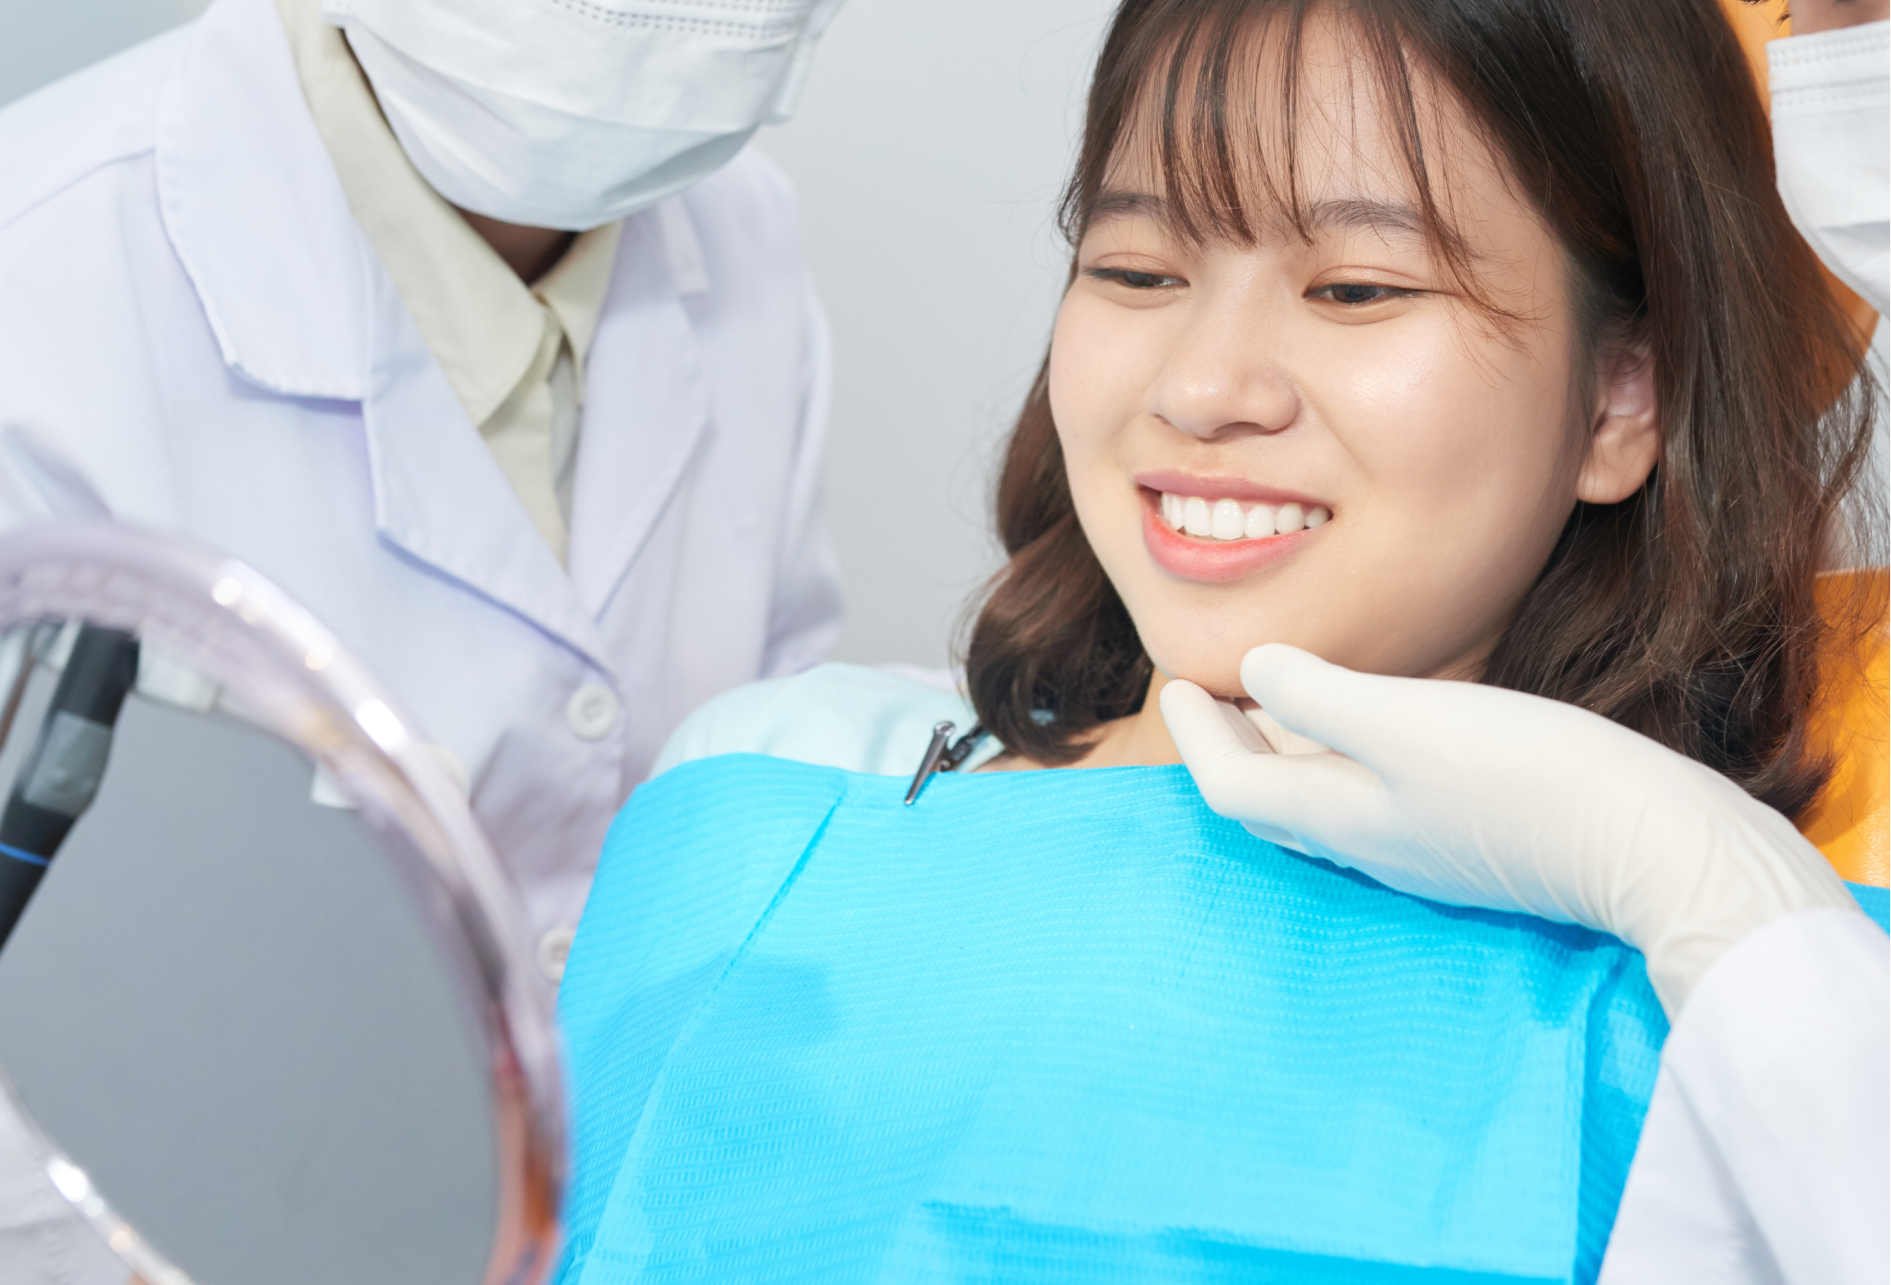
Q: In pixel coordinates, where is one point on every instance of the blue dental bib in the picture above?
(1071, 1026)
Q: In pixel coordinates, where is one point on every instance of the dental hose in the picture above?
(62, 773)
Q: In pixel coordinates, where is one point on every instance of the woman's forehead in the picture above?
(1277, 137)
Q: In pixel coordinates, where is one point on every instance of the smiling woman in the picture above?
(1434, 271)
(1440, 338)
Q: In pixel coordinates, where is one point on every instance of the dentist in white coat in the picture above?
(473, 325)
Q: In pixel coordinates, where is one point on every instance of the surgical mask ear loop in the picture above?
(788, 93)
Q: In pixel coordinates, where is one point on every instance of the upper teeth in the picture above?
(1231, 520)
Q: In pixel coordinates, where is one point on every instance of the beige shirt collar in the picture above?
(481, 323)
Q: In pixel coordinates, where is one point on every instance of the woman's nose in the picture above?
(1221, 380)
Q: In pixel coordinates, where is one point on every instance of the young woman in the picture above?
(1442, 339)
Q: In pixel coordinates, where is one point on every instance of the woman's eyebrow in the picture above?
(1321, 216)
(1117, 204)
(1363, 212)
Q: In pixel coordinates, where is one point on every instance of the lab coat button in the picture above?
(553, 949)
(592, 711)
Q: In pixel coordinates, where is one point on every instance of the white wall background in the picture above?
(927, 153)
(41, 41)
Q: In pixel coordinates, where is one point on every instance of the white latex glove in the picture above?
(1479, 796)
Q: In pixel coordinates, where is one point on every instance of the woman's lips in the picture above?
(1211, 560)
(1172, 482)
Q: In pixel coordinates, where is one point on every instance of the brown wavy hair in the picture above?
(1685, 612)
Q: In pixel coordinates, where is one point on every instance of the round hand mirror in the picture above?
(265, 1014)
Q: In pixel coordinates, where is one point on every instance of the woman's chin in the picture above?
(1219, 676)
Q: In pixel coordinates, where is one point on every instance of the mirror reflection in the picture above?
(220, 1003)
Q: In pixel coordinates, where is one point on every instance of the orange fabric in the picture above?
(1755, 24)
(1850, 821)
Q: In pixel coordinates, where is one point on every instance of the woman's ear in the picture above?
(1624, 426)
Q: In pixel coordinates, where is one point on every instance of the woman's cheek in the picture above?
(1384, 394)
(1429, 419)
(1093, 386)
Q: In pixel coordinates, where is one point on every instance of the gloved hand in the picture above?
(1479, 796)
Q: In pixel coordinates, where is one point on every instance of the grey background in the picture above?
(927, 153)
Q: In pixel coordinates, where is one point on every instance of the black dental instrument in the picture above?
(62, 773)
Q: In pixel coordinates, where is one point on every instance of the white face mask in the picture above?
(572, 113)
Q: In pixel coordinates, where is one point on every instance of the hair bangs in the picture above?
(1209, 103)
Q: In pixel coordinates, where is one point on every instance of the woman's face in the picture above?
(1362, 463)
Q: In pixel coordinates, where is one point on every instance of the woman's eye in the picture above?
(1134, 280)
(1355, 293)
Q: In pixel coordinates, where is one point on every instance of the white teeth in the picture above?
(1195, 519)
(1172, 511)
(1231, 520)
(1229, 523)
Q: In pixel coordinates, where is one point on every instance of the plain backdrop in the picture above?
(927, 153)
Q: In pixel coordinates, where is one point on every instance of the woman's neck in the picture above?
(1140, 740)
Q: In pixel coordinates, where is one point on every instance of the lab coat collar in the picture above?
(440, 496)
(255, 212)
(643, 417)
(301, 307)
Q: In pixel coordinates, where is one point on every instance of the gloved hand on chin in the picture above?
(1480, 796)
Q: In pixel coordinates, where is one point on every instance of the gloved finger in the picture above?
(1311, 797)
(1366, 717)
(1200, 729)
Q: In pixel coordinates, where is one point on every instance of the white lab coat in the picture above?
(1766, 1156)
(195, 335)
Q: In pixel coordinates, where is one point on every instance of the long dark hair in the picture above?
(1685, 612)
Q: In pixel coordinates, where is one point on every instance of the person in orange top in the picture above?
(1850, 821)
